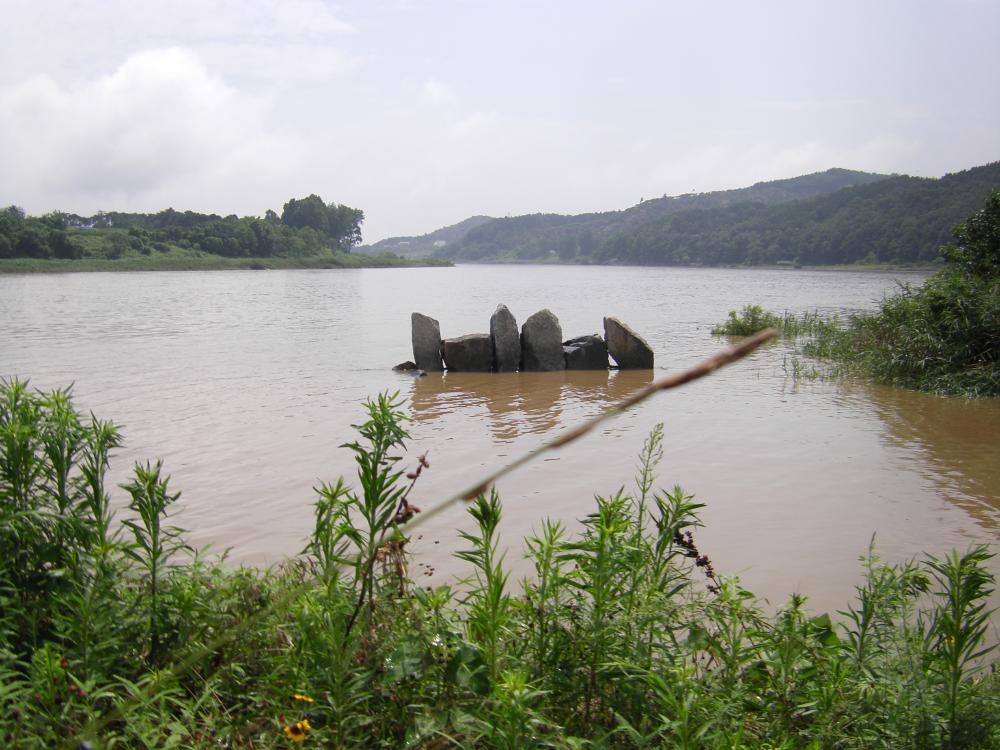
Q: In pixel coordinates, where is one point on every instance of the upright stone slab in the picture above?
(627, 347)
(426, 336)
(586, 353)
(541, 343)
(506, 342)
(472, 353)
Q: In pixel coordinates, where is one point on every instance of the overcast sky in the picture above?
(424, 113)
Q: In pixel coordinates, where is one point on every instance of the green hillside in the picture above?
(832, 217)
(425, 245)
(897, 220)
(581, 238)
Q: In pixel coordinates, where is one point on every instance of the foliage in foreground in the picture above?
(625, 636)
(942, 337)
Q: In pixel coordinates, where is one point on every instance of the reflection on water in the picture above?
(954, 443)
(521, 403)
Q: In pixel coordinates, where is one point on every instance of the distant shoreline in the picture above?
(874, 267)
(362, 260)
(167, 263)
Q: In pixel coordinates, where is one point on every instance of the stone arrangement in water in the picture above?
(538, 347)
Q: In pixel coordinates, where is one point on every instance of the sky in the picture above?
(424, 112)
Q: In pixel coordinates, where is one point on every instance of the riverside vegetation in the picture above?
(308, 234)
(122, 636)
(942, 337)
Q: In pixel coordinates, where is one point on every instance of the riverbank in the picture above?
(211, 263)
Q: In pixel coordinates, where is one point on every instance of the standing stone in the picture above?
(627, 347)
(472, 353)
(506, 342)
(541, 343)
(426, 335)
(586, 353)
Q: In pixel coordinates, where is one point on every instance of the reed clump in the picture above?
(122, 636)
(942, 337)
(752, 319)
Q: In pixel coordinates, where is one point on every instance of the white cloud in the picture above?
(159, 128)
(70, 40)
(438, 92)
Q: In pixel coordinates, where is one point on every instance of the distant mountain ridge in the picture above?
(834, 217)
(487, 237)
(425, 244)
(900, 219)
(546, 236)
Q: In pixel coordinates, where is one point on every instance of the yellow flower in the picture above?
(303, 698)
(297, 732)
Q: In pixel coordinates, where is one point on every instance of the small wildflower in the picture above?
(303, 698)
(64, 663)
(297, 732)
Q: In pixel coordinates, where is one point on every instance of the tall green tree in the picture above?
(978, 249)
(306, 212)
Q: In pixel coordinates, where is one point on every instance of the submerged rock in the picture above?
(471, 353)
(506, 342)
(426, 337)
(586, 353)
(627, 347)
(408, 368)
(541, 343)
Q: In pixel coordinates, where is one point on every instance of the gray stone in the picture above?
(627, 347)
(506, 342)
(426, 336)
(472, 353)
(408, 368)
(586, 353)
(541, 343)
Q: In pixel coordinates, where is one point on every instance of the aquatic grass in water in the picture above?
(754, 318)
(625, 637)
(943, 337)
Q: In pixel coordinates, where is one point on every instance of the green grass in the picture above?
(754, 318)
(942, 337)
(626, 636)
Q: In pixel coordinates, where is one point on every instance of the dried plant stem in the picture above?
(675, 380)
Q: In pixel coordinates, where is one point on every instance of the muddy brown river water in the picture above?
(246, 383)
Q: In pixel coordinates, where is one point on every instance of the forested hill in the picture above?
(814, 219)
(581, 237)
(898, 220)
(425, 244)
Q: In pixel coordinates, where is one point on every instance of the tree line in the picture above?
(306, 226)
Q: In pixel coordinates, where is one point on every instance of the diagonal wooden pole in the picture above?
(666, 383)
